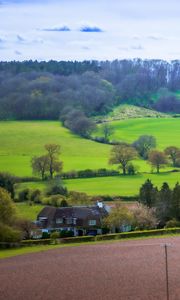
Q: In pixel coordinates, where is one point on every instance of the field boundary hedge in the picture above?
(104, 237)
(121, 235)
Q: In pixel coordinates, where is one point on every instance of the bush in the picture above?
(36, 196)
(45, 235)
(54, 236)
(134, 234)
(78, 239)
(172, 224)
(66, 233)
(9, 234)
(24, 195)
(35, 242)
(56, 190)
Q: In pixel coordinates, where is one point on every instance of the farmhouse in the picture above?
(81, 220)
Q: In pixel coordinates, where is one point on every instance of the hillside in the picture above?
(46, 90)
(165, 130)
(20, 141)
(125, 111)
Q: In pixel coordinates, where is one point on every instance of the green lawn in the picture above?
(121, 185)
(28, 212)
(166, 130)
(115, 185)
(20, 141)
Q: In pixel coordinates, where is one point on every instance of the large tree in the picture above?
(144, 144)
(54, 165)
(7, 182)
(164, 204)
(122, 155)
(174, 154)
(157, 159)
(40, 165)
(175, 208)
(7, 208)
(107, 131)
(144, 217)
(148, 194)
(118, 216)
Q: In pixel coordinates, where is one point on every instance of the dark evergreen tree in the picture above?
(148, 194)
(175, 208)
(163, 204)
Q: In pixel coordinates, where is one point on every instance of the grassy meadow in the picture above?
(29, 212)
(20, 141)
(165, 130)
(111, 185)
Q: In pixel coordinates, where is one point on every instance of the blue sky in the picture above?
(89, 29)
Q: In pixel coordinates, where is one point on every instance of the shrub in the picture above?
(78, 239)
(9, 234)
(56, 190)
(54, 236)
(35, 242)
(24, 195)
(66, 233)
(36, 196)
(172, 224)
(45, 235)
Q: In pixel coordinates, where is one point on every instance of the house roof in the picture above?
(81, 213)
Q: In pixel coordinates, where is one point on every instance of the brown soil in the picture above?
(118, 271)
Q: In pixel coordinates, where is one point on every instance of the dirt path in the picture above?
(125, 270)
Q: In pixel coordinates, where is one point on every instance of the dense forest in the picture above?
(48, 90)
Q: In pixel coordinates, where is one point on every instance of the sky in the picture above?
(89, 29)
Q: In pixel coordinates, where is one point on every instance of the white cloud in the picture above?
(114, 29)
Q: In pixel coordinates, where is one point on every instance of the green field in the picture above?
(115, 185)
(121, 185)
(26, 211)
(20, 141)
(166, 130)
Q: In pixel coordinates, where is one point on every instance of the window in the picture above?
(92, 222)
(59, 221)
(69, 221)
(74, 221)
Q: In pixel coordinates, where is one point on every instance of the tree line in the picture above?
(123, 154)
(46, 90)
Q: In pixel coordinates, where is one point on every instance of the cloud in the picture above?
(57, 29)
(20, 38)
(90, 29)
(17, 52)
(137, 47)
(155, 37)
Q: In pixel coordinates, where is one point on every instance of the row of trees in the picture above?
(156, 208)
(32, 90)
(123, 154)
(165, 202)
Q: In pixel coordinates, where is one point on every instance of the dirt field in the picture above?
(125, 270)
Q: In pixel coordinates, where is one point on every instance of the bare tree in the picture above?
(157, 159)
(40, 165)
(107, 131)
(173, 153)
(54, 164)
(122, 155)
